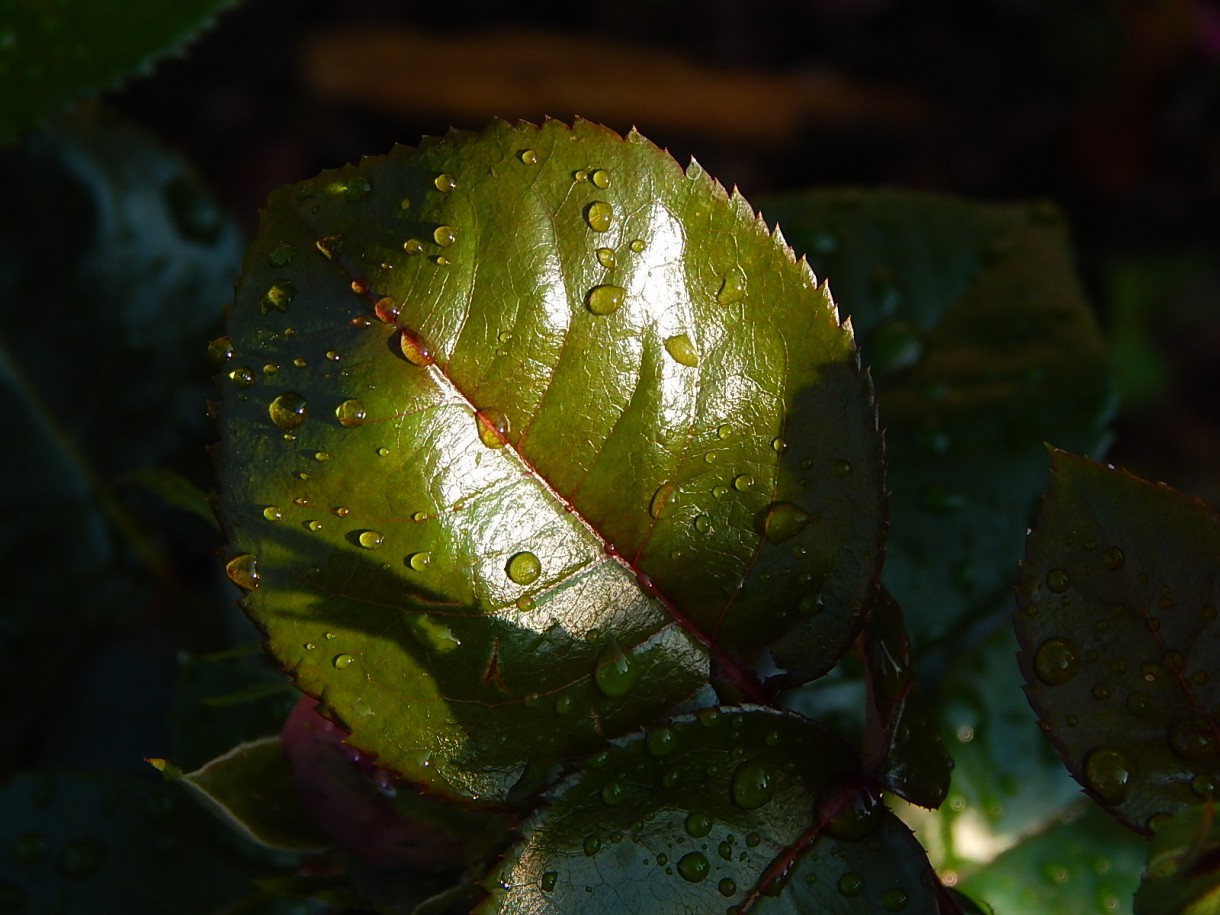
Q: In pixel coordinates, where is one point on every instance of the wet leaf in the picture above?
(983, 346)
(54, 53)
(1117, 622)
(1183, 863)
(751, 808)
(538, 433)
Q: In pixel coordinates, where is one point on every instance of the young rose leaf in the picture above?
(749, 809)
(1117, 622)
(527, 433)
(983, 346)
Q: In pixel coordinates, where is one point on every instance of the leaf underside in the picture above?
(1117, 622)
(525, 436)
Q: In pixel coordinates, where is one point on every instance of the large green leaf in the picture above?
(527, 434)
(746, 808)
(1117, 622)
(53, 53)
(983, 346)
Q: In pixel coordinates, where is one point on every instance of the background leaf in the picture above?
(982, 346)
(547, 431)
(1116, 617)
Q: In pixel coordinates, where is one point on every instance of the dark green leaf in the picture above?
(1117, 622)
(524, 436)
(54, 53)
(1183, 872)
(750, 807)
(982, 346)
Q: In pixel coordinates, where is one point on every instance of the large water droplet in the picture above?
(693, 867)
(753, 784)
(660, 499)
(278, 297)
(414, 350)
(523, 568)
(343, 661)
(732, 287)
(549, 879)
(1193, 738)
(682, 350)
(604, 300)
(698, 825)
(742, 482)
(600, 178)
(1056, 662)
(615, 673)
(271, 513)
(420, 561)
(370, 540)
(782, 521)
(350, 412)
(445, 183)
(528, 157)
(413, 246)
(288, 411)
(1109, 773)
(243, 571)
(492, 427)
(606, 257)
(444, 236)
(599, 215)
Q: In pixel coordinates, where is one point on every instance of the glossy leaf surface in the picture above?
(750, 809)
(527, 434)
(53, 53)
(982, 346)
(1118, 627)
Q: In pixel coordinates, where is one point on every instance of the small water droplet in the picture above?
(492, 427)
(637, 245)
(314, 526)
(444, 236)
(370, 540)
(563, 705)
(592, 845)
(693, 867)
(287, 411)
(1193, 738)
(445, 183)
(523, 568)
(615, 672)
(441, 261)
(350, 412)
(549, 879)
(528, 157)
(271, 513)
(753, 784)
(600, 178)
(599, 215)
(270, 369)
(299, 362)
(703, 524)
(661, 740)
(660, 499)
(682, 350)
(1203, 786)
(720, 491)
(243, 571)
(742, 482)
(329, 246)
(726, 887)
(420, 561)
(732, 287)
(413, 246)
(612, 794)
(851, 884)
(242, 377)
(1057, 580)
(414, 350)
(282, 255)
(894, 900)
(342, 661)
(1108, 773)
(606, 257)
(220, 350)
(1056, 662)
(1112, 558)
(842, 469)
(782, 521)
(360, 287)
(604, 300)
(278, 297)
(698, 825)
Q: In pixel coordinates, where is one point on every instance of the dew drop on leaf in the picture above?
(894, 900)
(420, 561)
(242, 377)
(549, 879)
(528, 157)
(753, 785)
(615, 673)
(493, 428)
(606, 257)
(742, 482)
(287, 411)
(1056, 662)
(612, 794)
(413, 246)
(220, 350)
(523, 568)
(329, 246)
(271, 513)
(278, 297)
(660, 499)
(445, 183)
(1112, 558)
(1108, 773)
(599, 215)
(732, 287)
(698, 825)
(342, 661)
(1193, 738)
(726, 887)
(682, 350)
(1203, 786)
(444, 236)
(703, 524)
(842, 469)
(637, 245)
(782, 521)
(350, 412)
(605, 300)
(661, 740)
(600, 178)
(851, 884)
(370, 540)
(592, 845)
(243, 571)
(414, 350)
(1057, 580)
(693, 867)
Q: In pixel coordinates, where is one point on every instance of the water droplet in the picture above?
(299, 362)
(444, 236)
(1056, 662)
(851, 884)
(660, 499)
(604, 300)
(698, 825)
(1057, 580)
(80, 858)
(360, 287)
(720, 491)
(370, 540)
(1108, 773)
(528, 157)
(599, 215)
(243, 571)
(523, 568)
(842, 469)
(271, 513)
(445, 183)
(350, 412)
(858, 818)
(1102, 691)
(413, 246)
(612, 794)
(732, 287)
(220, 350)
(703, 524)
(549, 879)
(726, 887)
(278, 297)
(592, 845)
(287, 411)
(606, 257)
(615, 673)
(282, 255)
(414, 350)
(492, 427)
(1203, 786)
(563, 705)
(1193, 738)
(661, 740)
(600, 178)
(242, 376)
(420, 561)
(682, 350)
(782, 521)
(637, 245)
(270, 369)
(693, 867)
(342, 661)
(753, 784)
(525, 603)
(441, 261)
(314, 526)
(708, 717)
(329, 246)
(1112, 558)
(742, 482)
(894, 900)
